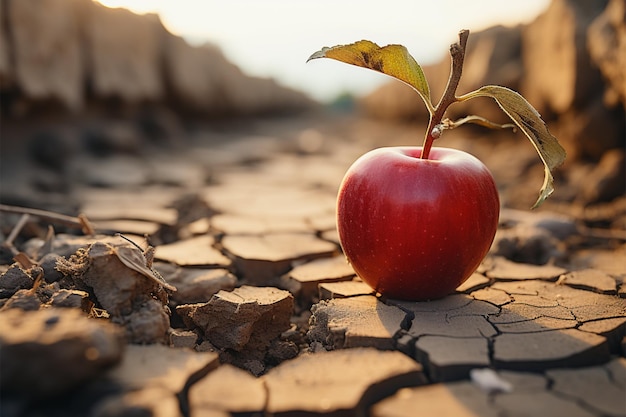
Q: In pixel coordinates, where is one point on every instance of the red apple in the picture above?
(412, 228)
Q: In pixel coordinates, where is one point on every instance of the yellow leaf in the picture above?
(393, 60)
(528, 119)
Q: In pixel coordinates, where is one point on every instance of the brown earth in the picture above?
(247, 306)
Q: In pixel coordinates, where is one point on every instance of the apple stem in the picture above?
(435, 126)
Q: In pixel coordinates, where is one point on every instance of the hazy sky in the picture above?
(273, 38)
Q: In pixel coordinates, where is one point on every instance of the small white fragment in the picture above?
(489, 381)
(436, 132)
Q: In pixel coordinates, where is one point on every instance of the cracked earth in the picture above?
(254, 311)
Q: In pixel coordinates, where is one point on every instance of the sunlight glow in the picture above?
(273, 38)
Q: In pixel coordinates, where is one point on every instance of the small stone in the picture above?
(344, 289)
(62, 348)
(246, 319)
(338, 383)
(192, 252)
(14, 279)
(48, 263)
(591, 280)
(355, 321)
(182, 338)
(489, 381)
(230, 390)
(505, 270)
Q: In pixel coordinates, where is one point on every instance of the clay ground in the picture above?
(255, 311)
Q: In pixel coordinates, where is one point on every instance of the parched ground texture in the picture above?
(247, 307)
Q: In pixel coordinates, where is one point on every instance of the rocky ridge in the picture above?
(84, 56)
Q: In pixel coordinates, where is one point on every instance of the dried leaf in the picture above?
(528, 119)
(134, 259)
(393, 60)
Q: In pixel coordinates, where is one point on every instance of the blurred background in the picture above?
(274, 38)
(121, 75)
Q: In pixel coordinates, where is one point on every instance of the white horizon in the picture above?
(273, 38)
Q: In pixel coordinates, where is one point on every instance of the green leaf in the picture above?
(529, 121)
(393, 60)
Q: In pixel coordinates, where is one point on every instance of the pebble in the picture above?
(15, 278)
(242, 322)
(183, 338)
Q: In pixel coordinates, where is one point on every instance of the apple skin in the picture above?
(415, 229)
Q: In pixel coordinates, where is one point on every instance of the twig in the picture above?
(76, 222)
(8, 243)
(457, 53)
